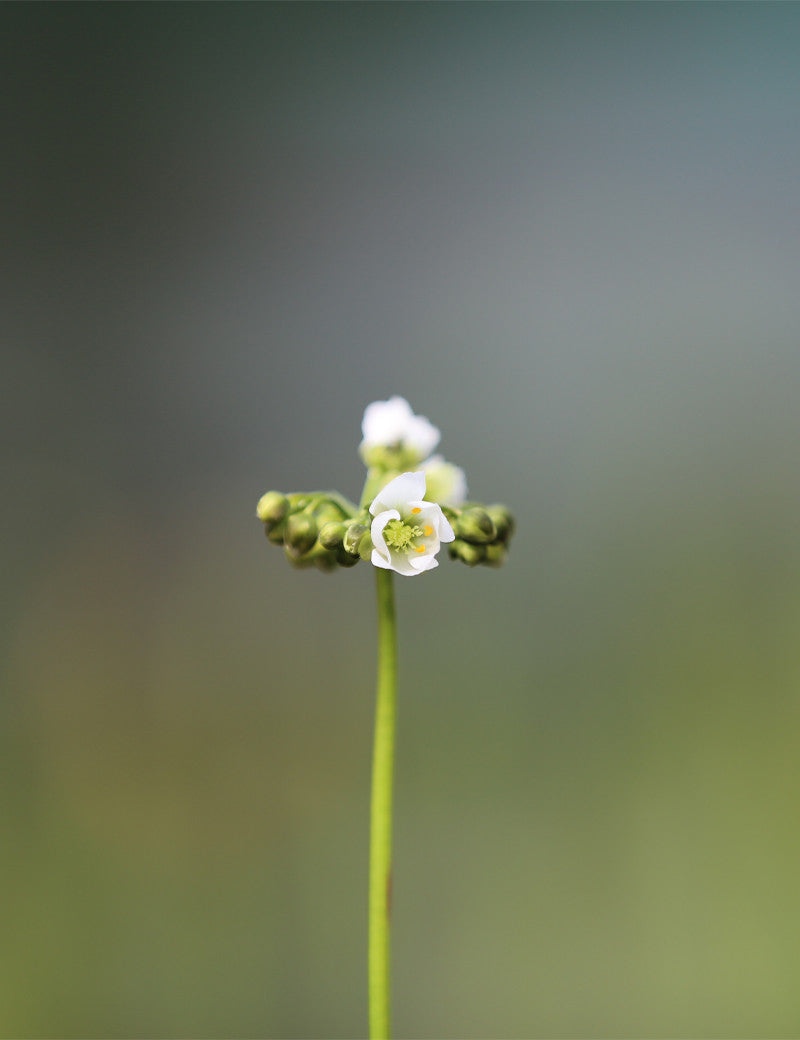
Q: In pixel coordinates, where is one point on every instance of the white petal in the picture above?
(378, 541)
(432, 515)
(399, 492)
(403, 565)
(422, 435)
(381, 520)
(385, 422)
(446, 532)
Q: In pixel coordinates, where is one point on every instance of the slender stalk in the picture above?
(380, 849)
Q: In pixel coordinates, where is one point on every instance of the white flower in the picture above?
(407, 531)
(392, 424)
(447, 483)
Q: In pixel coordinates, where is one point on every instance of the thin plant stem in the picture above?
(380, 849)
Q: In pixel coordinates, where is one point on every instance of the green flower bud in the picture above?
(275, 532)
(326, 511)
(301, 532)
(331, 534)
(345, 559)
(325, 562)
(495, 555)
(352, 537)
(466, 552)
(272, 507)
(298, 559)
(503, 521)
(475, 526)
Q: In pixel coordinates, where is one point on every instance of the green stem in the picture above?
(380, 849)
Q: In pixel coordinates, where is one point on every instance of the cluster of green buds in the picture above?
(310, 527)
(404, 516)
(482, 534)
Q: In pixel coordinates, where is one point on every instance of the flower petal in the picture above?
(420, 564)
(399, 492)
(446, 532)
(378, 561)
(385, 422)
(379, 547)
(422, 435)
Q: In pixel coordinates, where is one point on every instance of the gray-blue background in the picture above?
(568, 234)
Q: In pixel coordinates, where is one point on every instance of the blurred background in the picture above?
(569, 235)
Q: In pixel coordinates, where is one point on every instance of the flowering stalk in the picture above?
(413, 503)
(380, 846)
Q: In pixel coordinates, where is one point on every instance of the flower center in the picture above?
(399, 535)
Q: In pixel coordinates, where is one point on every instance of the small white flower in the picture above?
(392, 424)
(447, 483)
(407, 531)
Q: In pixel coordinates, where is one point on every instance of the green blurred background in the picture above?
(570, 235)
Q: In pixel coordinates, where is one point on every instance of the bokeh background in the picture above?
(570, 235)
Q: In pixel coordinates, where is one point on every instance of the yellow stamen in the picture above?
(419, 548)
(428, 531)
(416, 509)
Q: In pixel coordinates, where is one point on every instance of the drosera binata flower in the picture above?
(394, 437)
(322, 529)
(407, 531)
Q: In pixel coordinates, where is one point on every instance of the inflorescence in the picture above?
(412, 503)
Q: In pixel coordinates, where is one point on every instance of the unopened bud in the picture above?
(365, 546)
(476, 526)
(275, 532)
(352, 537)
(495, 555)
(325, 562)
(325, 511)
(466, 552)
(345, 559)
(301, 532)
(298, 559)
(503, 521)
(331, 534)
(272, 507)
